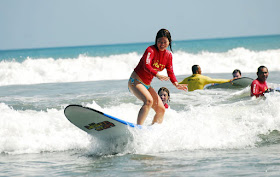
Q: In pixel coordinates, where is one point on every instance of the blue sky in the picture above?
(53, 23)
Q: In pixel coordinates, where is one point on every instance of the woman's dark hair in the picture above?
(164, 33)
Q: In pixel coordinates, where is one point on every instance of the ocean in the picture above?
(212, 132)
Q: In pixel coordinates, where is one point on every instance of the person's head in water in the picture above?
(196, 69)
(236, 74)
(164, 95)
(163, 40)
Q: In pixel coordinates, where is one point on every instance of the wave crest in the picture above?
(115, 67)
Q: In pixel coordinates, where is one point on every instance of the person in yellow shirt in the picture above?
(198, 81)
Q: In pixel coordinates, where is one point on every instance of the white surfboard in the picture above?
(96, 123)
(235, 84)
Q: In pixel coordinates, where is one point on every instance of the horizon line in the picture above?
(128, 43)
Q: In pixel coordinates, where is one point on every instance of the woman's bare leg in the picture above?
(143, 94)
(157, 106)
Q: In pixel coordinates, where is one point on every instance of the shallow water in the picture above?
(219, 132)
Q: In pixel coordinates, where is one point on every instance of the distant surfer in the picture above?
(198, 81)
(155, 59)
(164, 95)
(236, 74)
(259, 85)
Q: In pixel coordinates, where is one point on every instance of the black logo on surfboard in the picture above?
(100, 126)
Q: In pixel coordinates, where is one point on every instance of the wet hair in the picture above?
(195, 68)
(260, 68)
(164, 33)
(236, 71)
(164, 89)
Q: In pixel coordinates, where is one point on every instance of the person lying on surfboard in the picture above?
(259, 85)
(155, 59)
(164, 95)
(198, 81)
(236, 74)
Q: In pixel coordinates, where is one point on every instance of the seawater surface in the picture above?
(218, 132)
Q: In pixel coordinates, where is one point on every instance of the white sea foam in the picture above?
(202, 124)
(32, 131)
(207, 125)
(115, 67)
(241, 58)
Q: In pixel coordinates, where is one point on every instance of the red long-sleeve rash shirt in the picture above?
(258, 88)
(153, 61)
